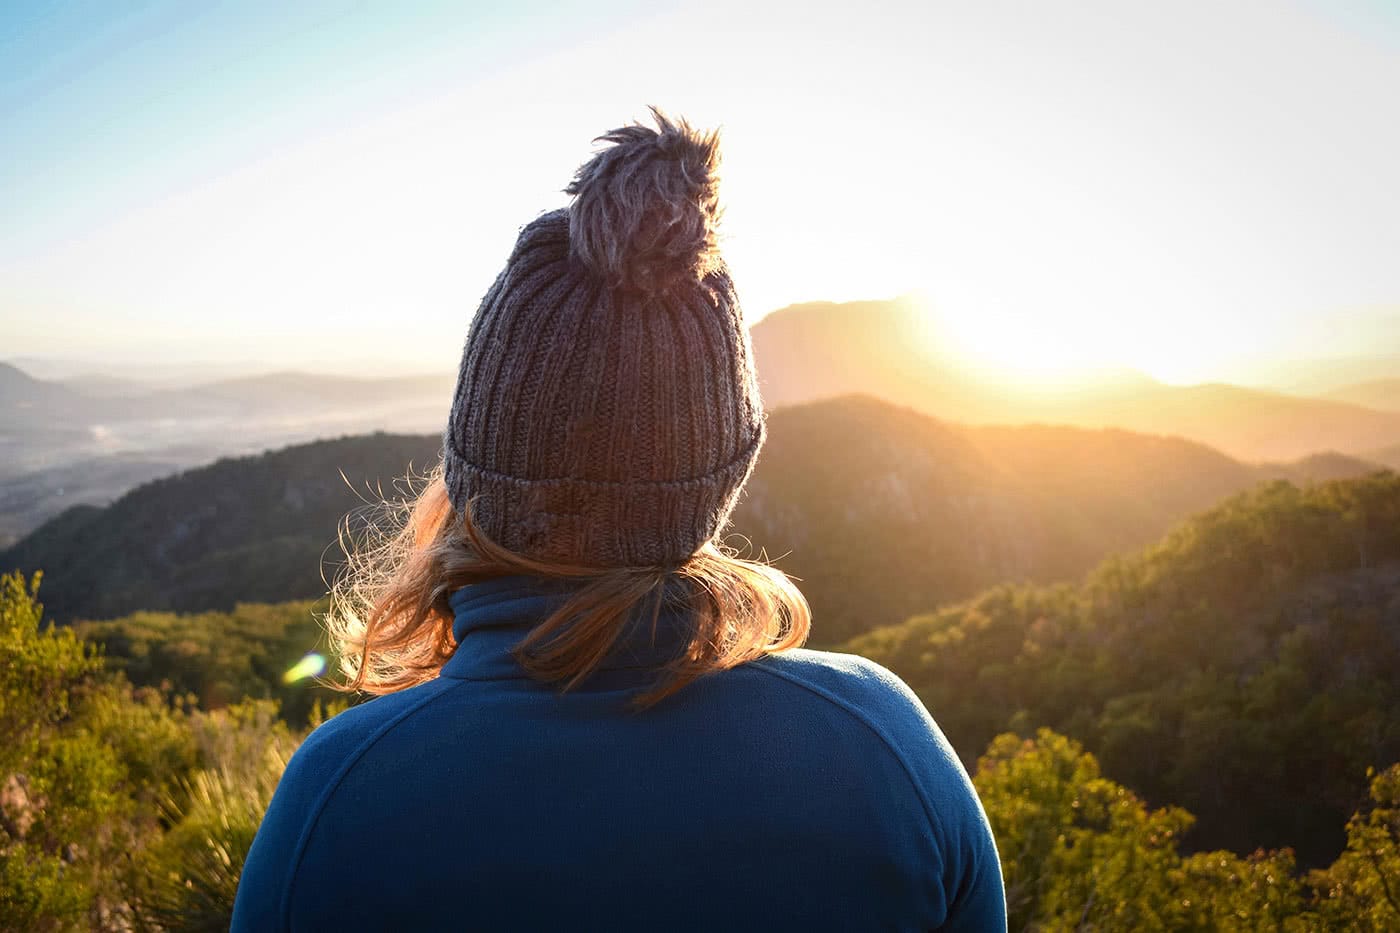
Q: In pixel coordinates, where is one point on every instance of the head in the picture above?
(605, 420)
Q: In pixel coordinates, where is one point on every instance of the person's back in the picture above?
(804, 791)
(594, 719)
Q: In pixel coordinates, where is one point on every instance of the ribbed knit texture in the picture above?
(601, 425)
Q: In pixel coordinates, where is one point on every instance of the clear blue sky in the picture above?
(1189, 188)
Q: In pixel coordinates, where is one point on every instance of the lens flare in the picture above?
(313, 665)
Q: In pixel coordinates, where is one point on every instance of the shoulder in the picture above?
(897, 722)
(902, 728)
(851, 674)
(872, 694)
(335, 747)
(313, 773)
(340, 740)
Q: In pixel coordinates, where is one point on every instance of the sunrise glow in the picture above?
(1060, 217)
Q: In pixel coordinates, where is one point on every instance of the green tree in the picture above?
(1361, 889)
(1080, 852)
(60, 805)
(186, 880)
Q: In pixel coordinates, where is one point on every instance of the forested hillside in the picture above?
(1244, 667)
(902, 514)
(251, 529)
(883, 512)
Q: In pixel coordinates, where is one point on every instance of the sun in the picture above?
(1000, 345)
(1063, 347)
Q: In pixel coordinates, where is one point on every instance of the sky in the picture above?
(1199, 190)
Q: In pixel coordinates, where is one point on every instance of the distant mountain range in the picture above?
(1319, 376)
(284, 397)
(889, 349)
(880, 510)
(1380, 394)
(89, 439)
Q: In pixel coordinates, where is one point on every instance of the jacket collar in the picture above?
(492, 617)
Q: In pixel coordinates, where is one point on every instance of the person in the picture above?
(592, 716)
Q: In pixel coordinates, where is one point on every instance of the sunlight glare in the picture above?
(312, 665)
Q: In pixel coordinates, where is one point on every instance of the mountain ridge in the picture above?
(906, 513)
(891, 349)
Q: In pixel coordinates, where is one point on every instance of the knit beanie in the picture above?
(606, 412)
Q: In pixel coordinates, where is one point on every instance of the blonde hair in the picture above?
(390, 622)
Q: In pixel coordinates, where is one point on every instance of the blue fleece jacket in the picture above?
(805, 791)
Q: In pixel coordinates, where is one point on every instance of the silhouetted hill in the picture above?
(1381, 394)
(1388, 456)
(884, 348)
(881, 511)
(892, 349)
(29, 405)
(1247, 423)
(1244, 666)
(1324, 467)
(1318, 376)
(18, 389)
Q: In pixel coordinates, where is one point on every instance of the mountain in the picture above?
(97, 433)
(118, 414)
(19, 390)
(892, 349)
(33, 404)
(89, 439)
(882, 348)
(251, 529)
(1247, 423)
(1243, 666)
(40, 422)
(903, 513)
(1380, 394)
(882, 511)
(1388, 456)
(1319, 376)
(30, 499)
(1324, 467)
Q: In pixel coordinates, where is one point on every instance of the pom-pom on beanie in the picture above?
(606, 412)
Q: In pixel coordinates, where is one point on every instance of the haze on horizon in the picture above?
(1199, 191)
